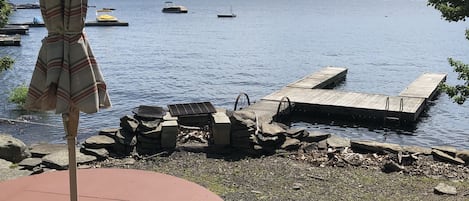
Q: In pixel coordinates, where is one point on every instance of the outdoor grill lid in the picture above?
(149, 112)
(191, 109)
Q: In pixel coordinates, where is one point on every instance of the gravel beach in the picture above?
(289, 176)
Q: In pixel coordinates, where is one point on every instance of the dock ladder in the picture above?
(393, 118)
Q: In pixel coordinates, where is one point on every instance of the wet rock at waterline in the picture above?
(59, 159)
(40, 150)
(12, 149)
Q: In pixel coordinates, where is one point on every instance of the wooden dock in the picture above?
(334, 102)
(14, 29)
(10, 40)
(308, 95)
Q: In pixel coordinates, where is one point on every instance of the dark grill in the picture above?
(187, 109)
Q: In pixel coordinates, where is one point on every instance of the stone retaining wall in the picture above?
(139, 137)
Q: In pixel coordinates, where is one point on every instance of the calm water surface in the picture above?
(162, 59)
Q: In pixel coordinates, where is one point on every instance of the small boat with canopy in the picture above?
(104, 15)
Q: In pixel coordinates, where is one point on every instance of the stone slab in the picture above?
(169, 132)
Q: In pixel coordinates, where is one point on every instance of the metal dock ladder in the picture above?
(393, 118)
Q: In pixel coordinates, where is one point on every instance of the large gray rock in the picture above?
(443, 156)
(146, 126)
(443, 188)
(464, 155)
(297, 133)
(99, 141)
(373, 146)
(59, 159)
(335, 141)
(109, 131)
(5, 163)
(316, 136)
(241, 115)
(152, 134)
(129, 123)
(8, 173)
(322, 145)
(447, 149)
(12, 149)
(101, 153)
(40, 150)
(270, 142)
(291, 144)
(417, 149)
(126, 138)
(271, 129)
(30, 163)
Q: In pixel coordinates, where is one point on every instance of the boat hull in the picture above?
(174, 9)
(226, 15)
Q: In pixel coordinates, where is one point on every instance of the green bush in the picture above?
(18, 95)
(5, 11)
(6, 63)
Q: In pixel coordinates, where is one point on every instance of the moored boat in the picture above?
(104, 15)
(170, 7)
(226, 15)
(231, 14)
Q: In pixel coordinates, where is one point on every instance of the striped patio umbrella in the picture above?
(66, 77)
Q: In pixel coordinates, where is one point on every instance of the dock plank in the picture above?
(424, 86)
(321, 79)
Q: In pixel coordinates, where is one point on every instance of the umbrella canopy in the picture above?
(66, 73)
(66, 77)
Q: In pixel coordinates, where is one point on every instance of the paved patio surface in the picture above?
(103, 184)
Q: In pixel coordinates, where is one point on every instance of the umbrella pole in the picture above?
(70, 121)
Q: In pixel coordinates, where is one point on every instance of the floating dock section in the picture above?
(308, 95)
(325, 77)
(424, 87)
(14, 29)
(104, 24)
(10, 40)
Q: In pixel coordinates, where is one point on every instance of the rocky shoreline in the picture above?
(119, 147)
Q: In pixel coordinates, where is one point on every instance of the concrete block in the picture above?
(168, 117)
(220, 110)
(221, 129)
(169, 132)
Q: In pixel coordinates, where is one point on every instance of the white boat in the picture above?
(231, 14)
(170, 7)
(104, 15)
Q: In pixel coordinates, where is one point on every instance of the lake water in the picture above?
(163, 59)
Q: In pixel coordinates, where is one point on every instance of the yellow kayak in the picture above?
(103, 16)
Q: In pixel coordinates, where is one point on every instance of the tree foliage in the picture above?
(451, 10)
(5, 11)
(6, 63)
(454, 11)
